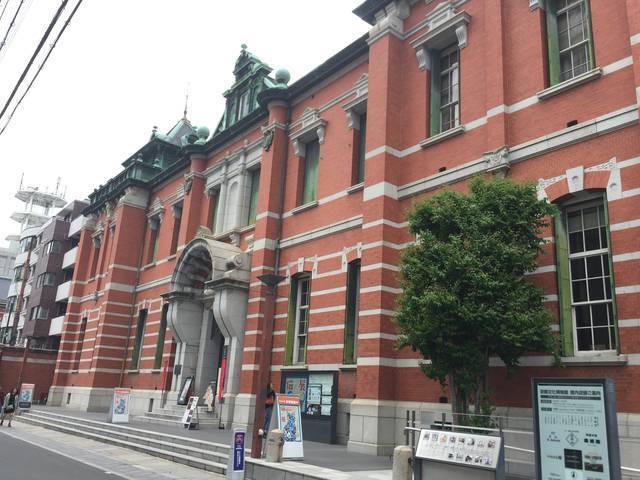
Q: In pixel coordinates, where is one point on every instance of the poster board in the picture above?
(25, 398)
(188, 420)
(576, 430)
(235, 467)
(460, 448)
(183, 397)
(290, 423)
(119, 411)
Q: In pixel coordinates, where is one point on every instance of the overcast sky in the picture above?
(124, 66)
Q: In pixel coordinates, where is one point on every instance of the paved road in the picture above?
(23, 461)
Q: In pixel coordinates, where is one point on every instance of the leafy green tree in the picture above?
(465, 298)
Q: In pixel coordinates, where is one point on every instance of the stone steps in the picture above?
(207, 456)
(172, 415)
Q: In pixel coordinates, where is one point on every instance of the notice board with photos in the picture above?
(318, 394)
(576, 429)
(460, 448)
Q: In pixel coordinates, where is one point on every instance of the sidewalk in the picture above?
(336, 457)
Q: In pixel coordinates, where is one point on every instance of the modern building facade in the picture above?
(270, 250)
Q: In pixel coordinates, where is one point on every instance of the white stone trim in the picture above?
(341, 226)
(337, 308)
(385, 189)
(327, 328)
(328, 291)
(634, 39)
(376, 312)
(377, 336)
(625, 257)
(629, 323)
(381, 288)
(335, 346)
(629, 289)
(624, 225)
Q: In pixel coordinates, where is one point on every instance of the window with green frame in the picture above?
(351, 315)
(585, 278)
(445, 90)
(310, 172)
(137, 346)
(298, 321)
(254, 189)
(157, 363)
(213, 208)
(569, 39)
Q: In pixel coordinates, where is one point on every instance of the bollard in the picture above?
(274, 446)
(401, 466)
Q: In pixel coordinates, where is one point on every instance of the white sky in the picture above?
(124, 66)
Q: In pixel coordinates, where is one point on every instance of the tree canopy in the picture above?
(465, 298)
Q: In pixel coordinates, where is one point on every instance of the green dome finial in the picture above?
(282, 77)
(243, 46)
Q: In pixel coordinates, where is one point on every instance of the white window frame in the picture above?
(299, 307)
(455, 92)
(585, 254)
(586, 41)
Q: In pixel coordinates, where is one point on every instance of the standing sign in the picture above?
(235, 467)
(288, 411)
(26, 396)
(187, 418)
(460, 448)
(576, 429)
(119, 411)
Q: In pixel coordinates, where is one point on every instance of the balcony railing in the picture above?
(69, 259)
(64, 289)
(75, 227)
(56, 325)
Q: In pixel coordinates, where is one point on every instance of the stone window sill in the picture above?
(156, 370)
(301, 366)
(133, 371)
(304, 207)
(248, 228)
(569, 84)
(355, 188)
(441, 137)
(349, 366)
(602, 360)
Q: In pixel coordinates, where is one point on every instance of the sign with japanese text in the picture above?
(235, 467)
(119, 411)
(480, 451)
(289, 422)
(25, 399)
(574, 438)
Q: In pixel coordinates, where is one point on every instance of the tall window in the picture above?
(47, 279)
(253, 195)
(175, 233)
(297, 327)
(243, 104)
(80, 343)
(360, 150)
(137, 346)
(570, 45)
(449, 90)
(351, 320)
(310, 173)
(154, 238)
(213, 209)
(587, 304)
(157, 364)
(39, 313)
(17, 273)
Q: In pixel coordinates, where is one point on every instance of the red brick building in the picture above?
(312, 181)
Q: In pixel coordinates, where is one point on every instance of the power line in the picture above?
(13, 21)
(54, 20)
(4, 9)
(53, 45)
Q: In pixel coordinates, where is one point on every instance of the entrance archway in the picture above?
(207, 312)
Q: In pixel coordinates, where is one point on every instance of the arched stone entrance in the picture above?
(207, 312)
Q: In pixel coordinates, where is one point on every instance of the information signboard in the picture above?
(25, 399)
(576, 430)
(235, 467)
(288, 411)
(119, 411)
(480, 451)
(187, 418)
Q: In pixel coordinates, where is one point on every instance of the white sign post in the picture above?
(235, 466)
(119, 411)
(187, 418)
(26, 396)
(576, 429)
(290, 423)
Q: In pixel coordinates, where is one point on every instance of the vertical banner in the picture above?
(289, 422)
(235, 467)
(26, 396)
(187, 418)
(119, 411)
